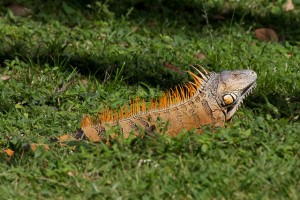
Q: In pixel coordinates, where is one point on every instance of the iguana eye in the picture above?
(229, 99)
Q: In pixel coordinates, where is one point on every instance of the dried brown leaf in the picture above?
(218, 17)
(9, 152)
(134, 29)
(18, 10)
(65, 138)
(289, 54)
(5, 77)
(34, 146)
(200, 56)
(288, 5)
(84, 81)
(70, 173)
(151, 23)
(172, 67)
(124, 44)
(266, 34)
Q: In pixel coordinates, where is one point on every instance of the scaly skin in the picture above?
(214, 102)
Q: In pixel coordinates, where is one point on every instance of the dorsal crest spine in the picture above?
(177, 95)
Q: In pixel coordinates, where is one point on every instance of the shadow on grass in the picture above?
(192, 14)
(138, 68)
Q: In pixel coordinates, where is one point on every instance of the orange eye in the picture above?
(228, 99)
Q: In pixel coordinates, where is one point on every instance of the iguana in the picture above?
(212, 98)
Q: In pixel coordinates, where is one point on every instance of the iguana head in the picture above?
(233, 87)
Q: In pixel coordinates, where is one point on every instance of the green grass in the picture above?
(69, 58)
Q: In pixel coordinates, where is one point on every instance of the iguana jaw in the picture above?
(232, 109)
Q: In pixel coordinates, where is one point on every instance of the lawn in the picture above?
(62, 59)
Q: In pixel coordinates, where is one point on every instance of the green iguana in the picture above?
(212, 98)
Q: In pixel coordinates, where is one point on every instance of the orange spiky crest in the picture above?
(172, 97)
(86, 121)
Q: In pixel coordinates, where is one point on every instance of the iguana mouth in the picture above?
(232, 109)
(248, 90)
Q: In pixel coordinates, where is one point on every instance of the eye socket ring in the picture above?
(228, 99)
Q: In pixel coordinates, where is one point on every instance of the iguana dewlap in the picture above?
(212, 98)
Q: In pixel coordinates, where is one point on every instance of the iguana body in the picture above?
(211, 99)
